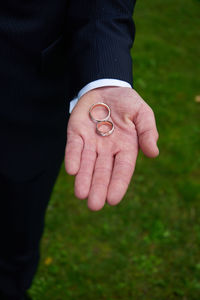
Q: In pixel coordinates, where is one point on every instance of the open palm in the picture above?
(104, 165)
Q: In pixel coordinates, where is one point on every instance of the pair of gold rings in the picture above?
(104, 121)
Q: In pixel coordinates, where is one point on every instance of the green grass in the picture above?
(147, 247)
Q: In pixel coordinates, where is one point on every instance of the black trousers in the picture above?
(34, 111)
(22, 213)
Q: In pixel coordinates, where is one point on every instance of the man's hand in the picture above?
(104, 165)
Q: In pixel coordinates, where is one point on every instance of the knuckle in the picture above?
(89, 155)
(97, 183)
(124, 165)
(122, 182)
(82, 173)
(103, 170)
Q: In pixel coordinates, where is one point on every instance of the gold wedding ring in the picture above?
(104, 121)
(99, 104)
(102, 133)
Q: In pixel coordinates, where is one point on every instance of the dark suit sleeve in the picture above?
(100, 36)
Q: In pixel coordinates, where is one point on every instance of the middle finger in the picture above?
(100, 181)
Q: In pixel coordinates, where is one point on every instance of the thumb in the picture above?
(147, 132)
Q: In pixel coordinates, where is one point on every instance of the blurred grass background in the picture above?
(147, 247)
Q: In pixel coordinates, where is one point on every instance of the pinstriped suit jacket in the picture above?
(49, 50)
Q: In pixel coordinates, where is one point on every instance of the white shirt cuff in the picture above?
(96, 84)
